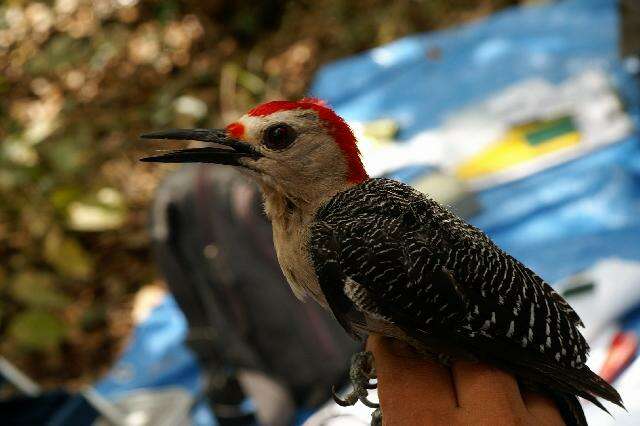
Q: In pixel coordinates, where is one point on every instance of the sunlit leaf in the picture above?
(101, 212)
(94, 217)
(19, 152)
(191, 106)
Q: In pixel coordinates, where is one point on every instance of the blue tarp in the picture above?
(157, 357)
(557, 222)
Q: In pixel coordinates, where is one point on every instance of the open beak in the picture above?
(237, 151)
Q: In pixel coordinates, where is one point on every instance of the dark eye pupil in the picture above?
(279, 136)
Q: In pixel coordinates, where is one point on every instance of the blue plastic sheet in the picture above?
(399, 80)
(157, 357)
(559, 221)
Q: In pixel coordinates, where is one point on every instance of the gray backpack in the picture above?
(214, 247)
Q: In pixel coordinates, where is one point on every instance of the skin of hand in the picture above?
(417, 391)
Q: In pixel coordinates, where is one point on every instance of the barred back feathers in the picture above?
(385, 250)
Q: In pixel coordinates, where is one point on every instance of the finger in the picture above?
(483, 388)
(408, 382)
(542, 408)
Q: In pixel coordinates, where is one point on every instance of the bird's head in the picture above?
(302, 150)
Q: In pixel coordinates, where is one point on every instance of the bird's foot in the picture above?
(376, 417)
(361, 372)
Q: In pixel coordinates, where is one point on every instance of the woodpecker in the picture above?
(386, 259)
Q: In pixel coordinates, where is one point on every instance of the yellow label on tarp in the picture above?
(521, 144)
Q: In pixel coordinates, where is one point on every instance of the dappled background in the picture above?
(79, 81)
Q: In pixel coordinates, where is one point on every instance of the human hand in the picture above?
(417, 391)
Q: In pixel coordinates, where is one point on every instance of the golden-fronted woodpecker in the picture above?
(386, 259)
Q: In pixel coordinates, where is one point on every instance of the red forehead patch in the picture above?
(235, 130)
(337, 127)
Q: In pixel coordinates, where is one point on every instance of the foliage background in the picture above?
(79, 81)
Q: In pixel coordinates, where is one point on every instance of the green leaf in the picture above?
(36, 330)
(4, 85)
(251, 82)
(70, 154)
(37, 290)
(61, 53)
(62, 197)
(67, 256)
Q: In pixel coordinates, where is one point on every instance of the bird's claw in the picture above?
(348, 401)
(376, 417)
(361, 372)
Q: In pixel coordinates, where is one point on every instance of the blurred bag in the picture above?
(214, 247)
(629, 27)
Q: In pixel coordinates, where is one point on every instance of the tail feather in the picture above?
(580, 382)
(570, 409)
(599, 387)
(589, 385)
(585, 384)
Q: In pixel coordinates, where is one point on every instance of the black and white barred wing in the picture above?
(362, 269)
(383, 250)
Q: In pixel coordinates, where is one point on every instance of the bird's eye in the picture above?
(279, 136)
